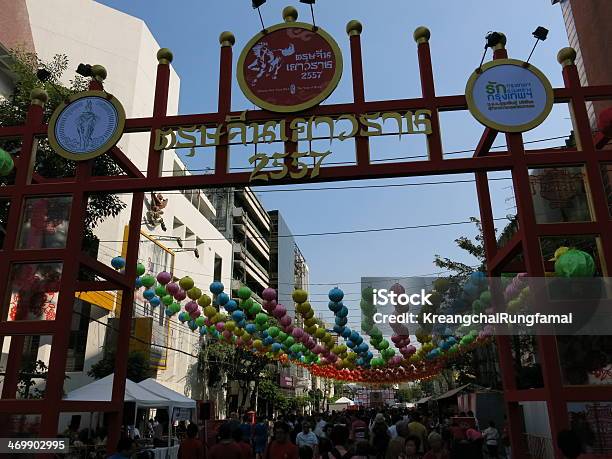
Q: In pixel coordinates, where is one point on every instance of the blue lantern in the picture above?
(155, 301)
(118, 262)
(216, 287)
(276, 347)
(334, 307)
(342, 321)
(231, 306)
(223, 299)
(346, 332)
(336, 295)
(338, 328)
(251, 328)
(168, 312)
(138, 283)
(343, 312)
(237, 316)
(203, 330)
(149, 294)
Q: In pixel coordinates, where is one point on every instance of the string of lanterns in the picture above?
(268, 329)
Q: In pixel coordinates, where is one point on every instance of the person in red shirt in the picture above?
(280, 447)
(245, 447)
(191, 446)
(226, 448)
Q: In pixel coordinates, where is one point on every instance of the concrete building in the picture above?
(242, 219)
(189, 245)
(590, 33)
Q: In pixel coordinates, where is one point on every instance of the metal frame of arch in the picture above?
(516, 159)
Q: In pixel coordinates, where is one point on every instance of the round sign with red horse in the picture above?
(290, 67)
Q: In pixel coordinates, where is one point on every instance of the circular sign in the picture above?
(509, 95)
(88, 125)
(290, 68)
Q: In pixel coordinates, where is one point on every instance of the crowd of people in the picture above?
(359, 434)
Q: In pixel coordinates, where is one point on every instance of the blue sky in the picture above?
(190, 28)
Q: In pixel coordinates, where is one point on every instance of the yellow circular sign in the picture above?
(509, 95)
(87, 125)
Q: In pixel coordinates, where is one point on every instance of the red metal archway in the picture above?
(516, 159)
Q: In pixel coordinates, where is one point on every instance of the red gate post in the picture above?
(434, 140)
(527, 230)
(224, 106)
(362, 143)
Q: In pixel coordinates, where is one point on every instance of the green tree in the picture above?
(48, 164)
(138, 368)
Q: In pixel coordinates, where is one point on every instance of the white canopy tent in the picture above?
(102, 389)
(341, 404)
(176, 400)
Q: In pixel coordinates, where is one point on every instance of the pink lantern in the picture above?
(395, 360)
(220, 326)
(285, 321)
(195, 314)
(227, 334)
(180, 295)
(279, 311)
(191, 306)
(411, 349)
(317, 349)
(269, 305)
(297, 333)
(269, 294)
(172, 288)
(164, 277)
(239, 342)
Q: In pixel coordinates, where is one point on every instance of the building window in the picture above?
(218, 268)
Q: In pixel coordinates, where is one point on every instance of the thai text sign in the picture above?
(290, 67)
(509, 95)
(236, 130)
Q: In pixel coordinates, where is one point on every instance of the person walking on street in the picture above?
(191, 446)
(491, 438)
(308, 438)
(281, 447)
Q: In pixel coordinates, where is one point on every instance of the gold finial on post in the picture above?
(501, 44)
(354, 27)
(38, 96)
(164, 56)
(421, 34)
(98, 73)
(227, 39)
(290, 14)
(566, 56)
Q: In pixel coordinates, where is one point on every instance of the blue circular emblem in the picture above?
(88, 126)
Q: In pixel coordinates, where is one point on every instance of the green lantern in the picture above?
(6, 163)
(273, 332)
(254, 309)
(200, 321)
(261, 318)
(289, 341)
(247, 304)
(167, 300)
(575, 263)
(148, 281)
(244, 293)
(140, 269)
(160, 291)
(175, 307)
